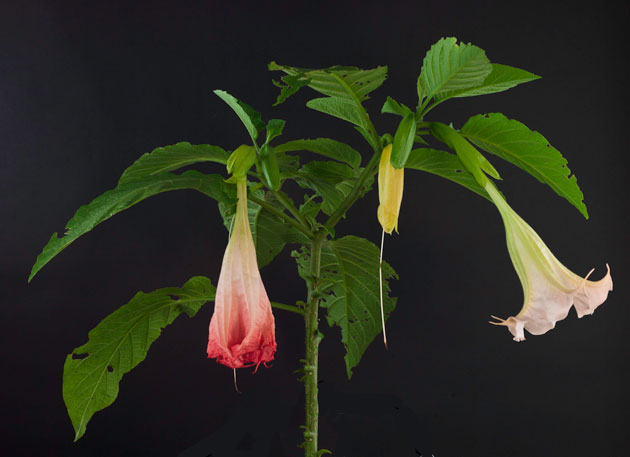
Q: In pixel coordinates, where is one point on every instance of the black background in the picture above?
(86, 87)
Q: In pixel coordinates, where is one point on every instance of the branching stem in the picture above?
(275, 211)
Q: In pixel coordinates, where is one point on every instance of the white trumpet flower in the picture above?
(549, 288)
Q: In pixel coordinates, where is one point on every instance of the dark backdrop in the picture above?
(86, 87)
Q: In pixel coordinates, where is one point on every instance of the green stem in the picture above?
(312, 340)
(272, 209)
(354, 193)
(288, 204)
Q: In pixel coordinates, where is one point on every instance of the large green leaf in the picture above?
(528, 150)
(446, 165)
(449, 66)
(502, 77)
(92, 372)
(121, 198)
(350, 286)
(248, 116)
(268, 231)
(342, 108)
(169, 158)
(331, 180)
(343, 82)
(326, 147)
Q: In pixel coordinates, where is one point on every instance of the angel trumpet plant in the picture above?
(242, 328)
(390, 193)
(549, 288)
(339, 272)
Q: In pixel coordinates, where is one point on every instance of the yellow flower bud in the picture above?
(390, 192)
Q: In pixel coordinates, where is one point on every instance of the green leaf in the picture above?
(339, 107)
(446, 165)
(287, 164)
(528, 150)
(169, 158)
(121, 198)
(326, 147)
(92, 372)
(391, 106)
(350, 287)
(292, 84)
(403, 140)
(268, 231)
(337, 81)
(502, 77)
(274, 129)
(331, 180)
(249, 117)
(449, 66)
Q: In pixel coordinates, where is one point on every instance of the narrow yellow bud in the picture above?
(390, 192)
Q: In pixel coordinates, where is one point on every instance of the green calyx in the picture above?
(239, 163)
(470, 157)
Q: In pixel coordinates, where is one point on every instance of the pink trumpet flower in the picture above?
(242, 328)
(549, 288)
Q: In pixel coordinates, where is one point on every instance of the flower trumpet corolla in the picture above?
(390, 191)
(242, 328)
(549, 288)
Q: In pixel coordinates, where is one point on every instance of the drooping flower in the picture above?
(390, 191)
(242, 328)
(549, 288)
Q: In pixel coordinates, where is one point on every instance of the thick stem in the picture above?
(312, 340)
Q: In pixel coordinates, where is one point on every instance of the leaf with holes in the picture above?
(528, 150)
(122, 197)
(92, 372)
(449, 66)
(169, 158)
(351, 83)
(350, 287)
(268, 231)
(446, 165)
(326, 147)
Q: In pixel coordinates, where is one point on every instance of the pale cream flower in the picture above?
(549, 288)
(390, 191)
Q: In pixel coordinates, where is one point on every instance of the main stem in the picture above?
(312, 340)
